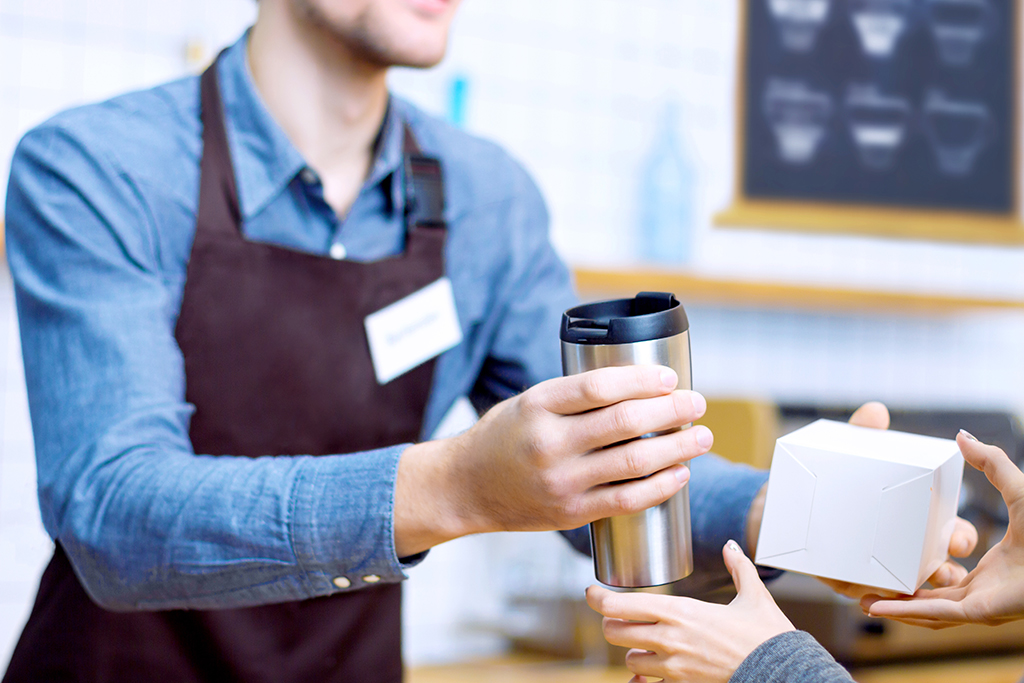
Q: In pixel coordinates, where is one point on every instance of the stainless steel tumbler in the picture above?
(652, 547)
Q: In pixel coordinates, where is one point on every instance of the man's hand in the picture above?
(993, 593)
(961, 544)
(558, 456)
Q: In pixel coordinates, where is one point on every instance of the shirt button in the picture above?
(338, 251)
(371, 578)
(309, 176)
(341, 582)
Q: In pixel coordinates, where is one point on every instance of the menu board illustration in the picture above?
(907, 104)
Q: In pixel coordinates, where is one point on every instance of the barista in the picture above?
(223, 432)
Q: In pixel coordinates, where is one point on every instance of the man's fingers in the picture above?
(623, 498)
(872, 414)
(642, 457)
(964, 539)
(604, 387)
(948, 574)
(996, 465)
(633, 418)
(628, 606)
(856, 590)
(743, 571)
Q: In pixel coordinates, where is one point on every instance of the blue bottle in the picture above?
(666, 198)
(458, 96)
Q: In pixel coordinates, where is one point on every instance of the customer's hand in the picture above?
(558, 456)
(961, 544)
(993, 593)
(682, 639)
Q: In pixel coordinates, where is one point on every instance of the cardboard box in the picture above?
(868, 506)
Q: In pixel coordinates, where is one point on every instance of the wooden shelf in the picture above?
(698, 289)
(822, 218)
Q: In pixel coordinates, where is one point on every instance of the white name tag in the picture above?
(413, 330)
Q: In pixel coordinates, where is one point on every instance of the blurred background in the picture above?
(831, 187)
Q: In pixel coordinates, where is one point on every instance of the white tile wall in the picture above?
(24, 546)
(577, 101)
(573, 89)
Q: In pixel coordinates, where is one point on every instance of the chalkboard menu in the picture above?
(898, 104)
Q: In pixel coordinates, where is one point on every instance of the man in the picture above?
(203, 270)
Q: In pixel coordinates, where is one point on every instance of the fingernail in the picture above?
(734, 546)
(968, 435)
(682, 474)
(668, 378)
(704, 436)
(700, 404)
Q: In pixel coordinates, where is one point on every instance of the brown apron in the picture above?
(276, 363)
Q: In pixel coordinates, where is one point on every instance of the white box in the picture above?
(868, 506)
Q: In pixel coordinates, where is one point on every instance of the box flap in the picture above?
(903, 510)
(790, 509)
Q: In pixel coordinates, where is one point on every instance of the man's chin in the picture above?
(420, 63)
(424, 59)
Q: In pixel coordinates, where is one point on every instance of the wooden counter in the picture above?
(526, 669)
(519, 669)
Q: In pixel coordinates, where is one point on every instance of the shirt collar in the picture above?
(265, 161)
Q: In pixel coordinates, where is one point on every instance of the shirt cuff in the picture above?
(720, 496)
(342, 528)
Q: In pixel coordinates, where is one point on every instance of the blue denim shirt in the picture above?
(101, 211)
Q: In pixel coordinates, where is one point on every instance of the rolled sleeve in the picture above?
(720, 496)
(358, 525)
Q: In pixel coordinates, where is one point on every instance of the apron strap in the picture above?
(218, 210)
(424, 186)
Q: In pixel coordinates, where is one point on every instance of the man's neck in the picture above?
(329, 102)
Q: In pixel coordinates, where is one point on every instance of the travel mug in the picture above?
(652, 547)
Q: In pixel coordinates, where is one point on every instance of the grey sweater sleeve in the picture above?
(791, 657)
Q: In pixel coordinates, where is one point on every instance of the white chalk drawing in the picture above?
(799, 117)
(957, 130)
(958, 26)
(880, 24)
(799, 21)
(878, 125)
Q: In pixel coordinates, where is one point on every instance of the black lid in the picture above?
(649, 315)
